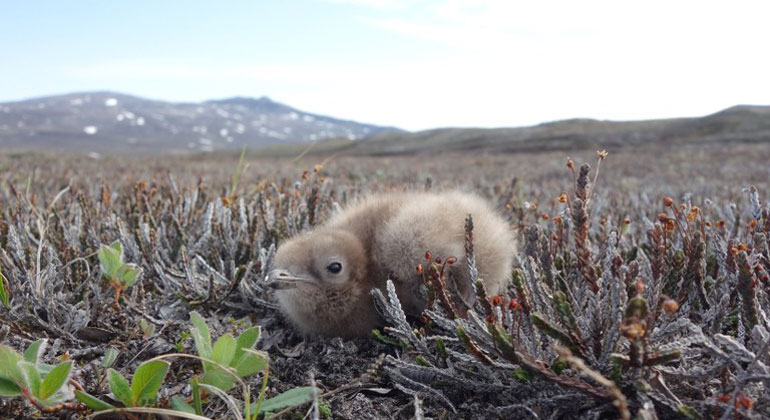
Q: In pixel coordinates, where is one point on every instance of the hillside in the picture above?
(111, 123)
(736, 124)
(108, 122)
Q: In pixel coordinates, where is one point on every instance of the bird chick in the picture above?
(323, 277)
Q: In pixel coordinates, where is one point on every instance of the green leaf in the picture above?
(8, 360)
(218, 377)
(8, 388)
(44, 368)
(251, 362)
(224, 350)
(55, 379)
(120, 388)
(247, 340)
(5, 291)
(31, 377)
(33, 352)
(109, 260)
(148, 379)
(196, 393)
(201, 335)
(179, 404)
(92, 402)
(289, 398)
(127, 273)
(118, 247)
(110, 355)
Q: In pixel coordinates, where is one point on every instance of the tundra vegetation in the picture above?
(134, 288)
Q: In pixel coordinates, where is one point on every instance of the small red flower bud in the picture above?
(514, 305)
(419, 268)
(668, 201)
(670, 305)
(639, 286)
(428, 256)
(451, 260)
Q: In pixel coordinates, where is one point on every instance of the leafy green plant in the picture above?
(43, 385)
(142, 392)
(236, 354)
(120, 275)
(228, 360)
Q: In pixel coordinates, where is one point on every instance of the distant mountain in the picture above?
(108, 122)
(743, 123)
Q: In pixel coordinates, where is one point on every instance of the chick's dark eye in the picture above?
(334, 268)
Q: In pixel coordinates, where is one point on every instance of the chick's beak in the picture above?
(284, 279)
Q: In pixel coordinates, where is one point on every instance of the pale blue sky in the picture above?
(415, 64)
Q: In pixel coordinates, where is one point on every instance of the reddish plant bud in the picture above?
(428, 256)
(627, 221)
(451, 260)
(668, 201)
(419, 268)
(545, 216)
(563, 197)
(639, 286)
(721, 224)
(633, 331)
(490, 319)
(497, 300)
(570, 163)
(745, 402)
(662, 217)
(438, 260)
(670, 305)
(514, 305)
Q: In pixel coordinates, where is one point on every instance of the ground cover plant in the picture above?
(639, 292)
